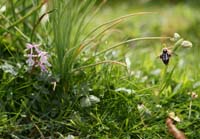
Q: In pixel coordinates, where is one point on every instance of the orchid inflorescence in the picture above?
(37, 57)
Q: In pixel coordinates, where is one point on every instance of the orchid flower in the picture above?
(37, 57)
(31, 47)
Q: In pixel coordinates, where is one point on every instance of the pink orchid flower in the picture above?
(37, 57)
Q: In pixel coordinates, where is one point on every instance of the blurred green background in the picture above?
(25, 97)
(181, 16)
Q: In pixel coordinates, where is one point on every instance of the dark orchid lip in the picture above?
(165, 56)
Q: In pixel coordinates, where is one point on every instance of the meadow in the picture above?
(72, 69)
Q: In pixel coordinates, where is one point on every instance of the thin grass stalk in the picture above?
(114, 20)
(26, 16)
(93, 15)
(38, 22)
(99, 63)
(177, 45)
(81, 27)
(128, 41)
(16, 28)
(166, 78)
(190, 110)
(12, 9)
(38, 129)
(78, 51)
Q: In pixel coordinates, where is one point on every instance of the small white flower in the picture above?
(2, 9)
(126, 90)
(158, 106)
(186, 44)
(194, 95)
(140, 107)
(143, 110)
(70, 137)
(85, 102)
(94, 99)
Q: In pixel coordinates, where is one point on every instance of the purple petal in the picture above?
(30, 62)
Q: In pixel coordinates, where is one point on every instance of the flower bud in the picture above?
(176, 36)
(186, 44)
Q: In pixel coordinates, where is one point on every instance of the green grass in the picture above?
(105, 67)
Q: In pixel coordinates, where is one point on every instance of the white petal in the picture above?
(94, 99)
(85, 102)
